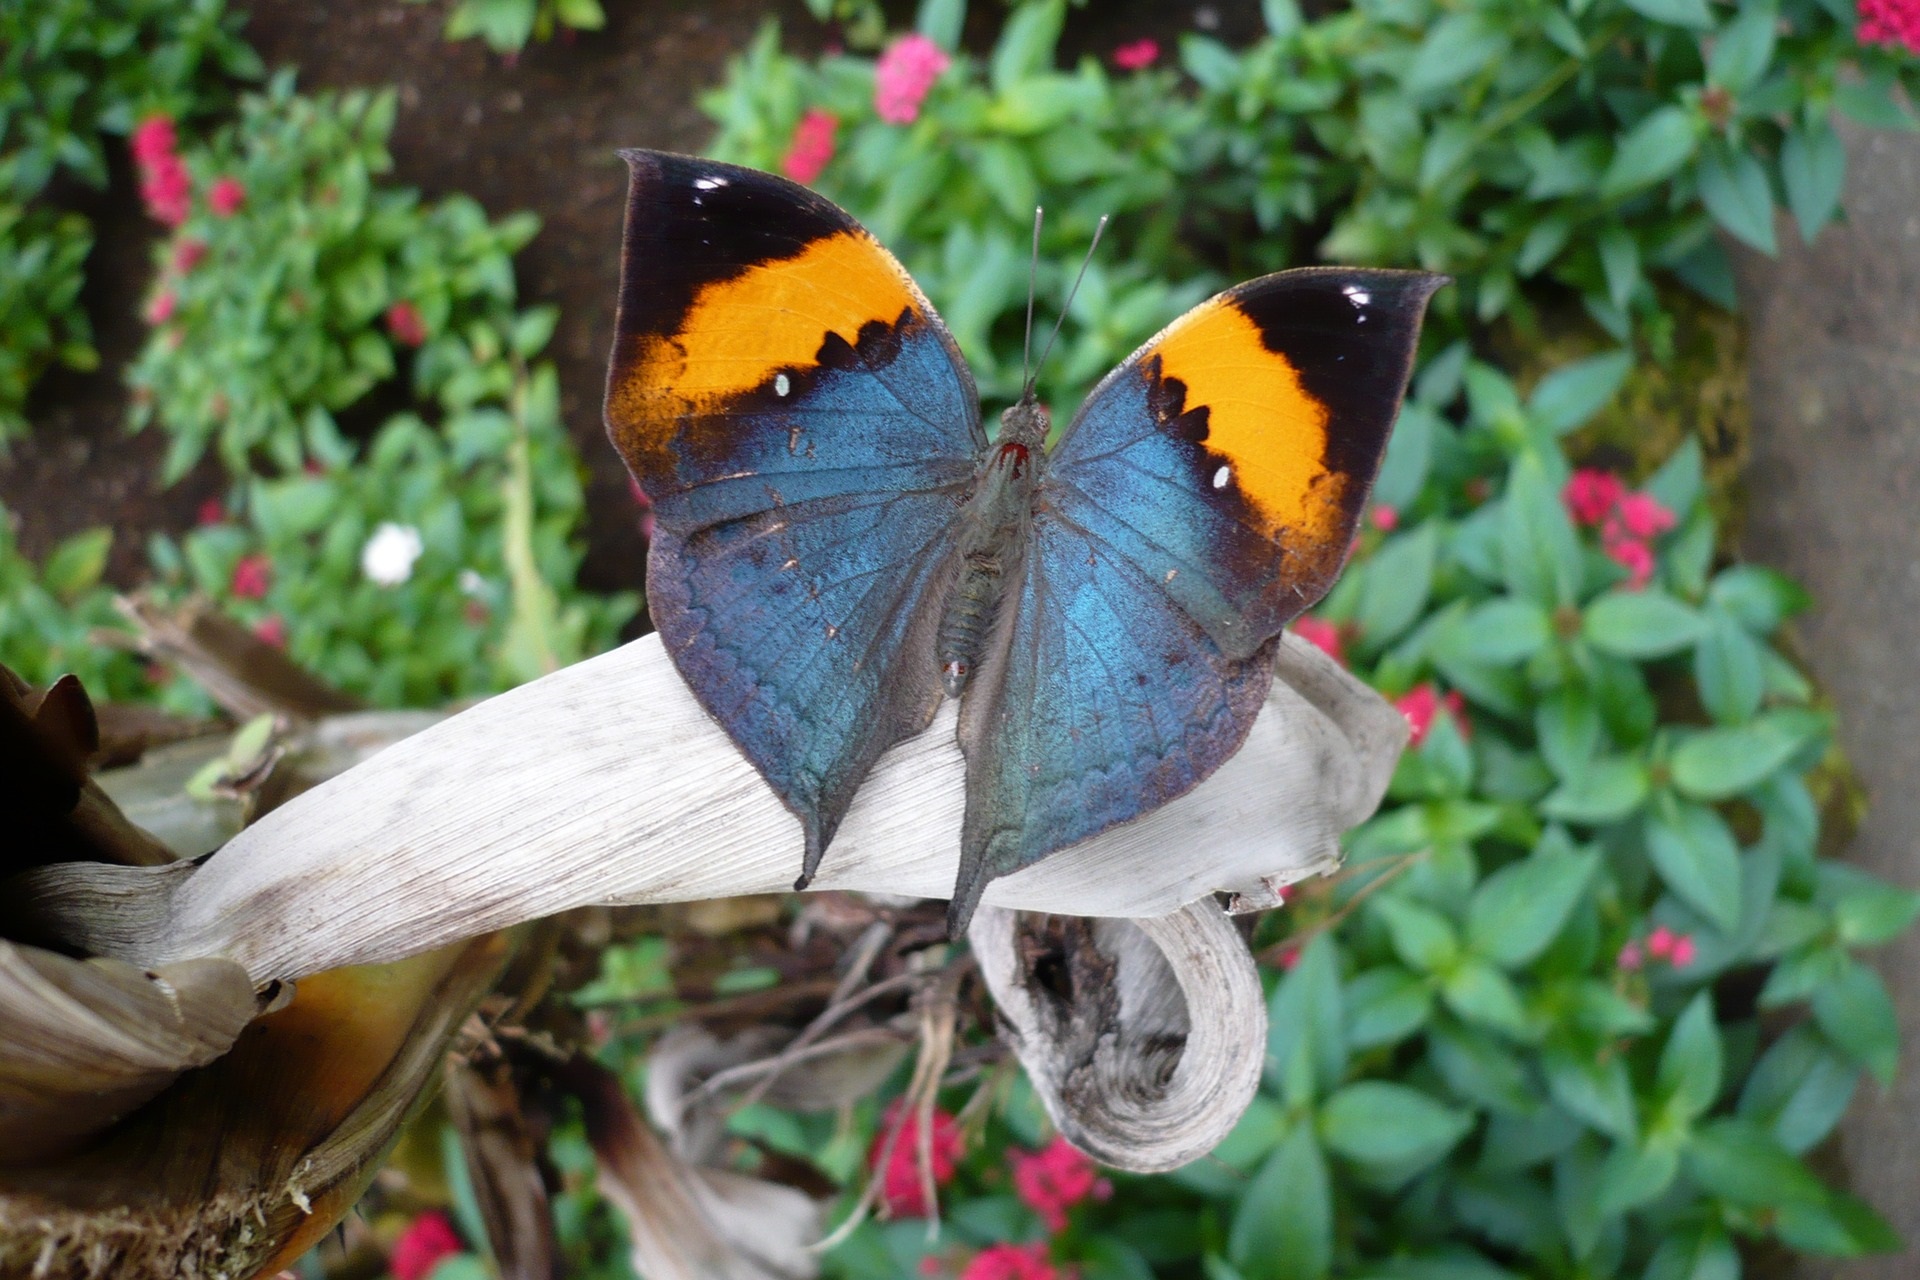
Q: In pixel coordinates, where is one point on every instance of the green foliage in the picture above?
(1593, 148)
(507, 25)
(41, 320)
(1501, 1045)
(49, 613)
(283, 316)
(72, 74)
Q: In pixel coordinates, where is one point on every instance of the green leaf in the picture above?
(1567, 398)
(1857, 1014)
(1631, 1176)
(75, 566)
(1733, 186)
(1760, 598)
(1653, 150)
(1727, 667)
(1641, 624)
(1398, 580)
(1567, 723)
(1306, 1018)
(1026, 44)
(1799, 1089)
(1386, 1005)
(1595, 1090)
(1499, 632)
(1521, 908)
(1740, 1162)
(1607, 790)
(1744, 47)
(1699, 1253)
(941, 22)
(1283, 16)
(1620, 264)
(1409, 454)
(1692, 1063)
(1870, 912)
(1457, 47)
(1481, 994)
(1283, 1226)
(1421, 937)
(1678, 13)
(1698, 859)
(1539, 552)
(1716, 764)
(1374, 1122)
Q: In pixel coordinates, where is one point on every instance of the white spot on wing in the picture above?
(1221, 477)
(780, 384)
(1358, 296)
(708, 184)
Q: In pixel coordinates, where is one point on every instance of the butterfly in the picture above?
(838, 545)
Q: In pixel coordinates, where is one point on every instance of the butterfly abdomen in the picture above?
(992, 544)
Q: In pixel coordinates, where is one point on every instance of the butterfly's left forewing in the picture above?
(807, 432)
(1206, 494)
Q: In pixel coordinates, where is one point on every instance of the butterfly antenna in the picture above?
(1084, 264)
(1033, 279)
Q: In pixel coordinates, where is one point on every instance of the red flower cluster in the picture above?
(1322, 635)
(1895, 22)
(251, 577)
(187, 254)
(272, 629)
(161, 306)
(1628, 522)
(1137, 55)
(1676, 949)
(226, 196)
(405, 324)
(1386, 518)
(1423, 702)
(1011, 1262)
(904, 75)
(1054, 1179)
(420, 1248)
(812, 145)
(165, 187)
(900, 1188)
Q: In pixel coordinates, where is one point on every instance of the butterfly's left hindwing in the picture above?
(1206, 494)
(807, 432)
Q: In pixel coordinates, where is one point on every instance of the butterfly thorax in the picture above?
(992, 539)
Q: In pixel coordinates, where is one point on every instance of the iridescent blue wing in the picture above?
(1204, 496)
(807, 432)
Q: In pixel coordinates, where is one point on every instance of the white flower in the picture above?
(388, 557)
(472, 584)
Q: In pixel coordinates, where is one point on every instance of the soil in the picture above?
(538, 132)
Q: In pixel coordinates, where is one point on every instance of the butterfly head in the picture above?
(1026, 422)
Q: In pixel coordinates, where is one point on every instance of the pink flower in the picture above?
(167, 191)
(1640, 515)
(1011, 1262)
(226, 196)
(427, 1239)
(1682, 951)
(404, 323)
(900, 1187)
(273, 630)
(154, 141)
(1630, 959)
(1290, 958)
(187, 254)
(904, 74)
(1323, 635)
(160, 307)
(251, 577)
(1386, 519)
(1054, 1179)
(1421, 703)
(812, 145)
(1894, 22)
(1591, 494)
(211, 512)
(1137, 55)
(1660, 942)
(1635, 557)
